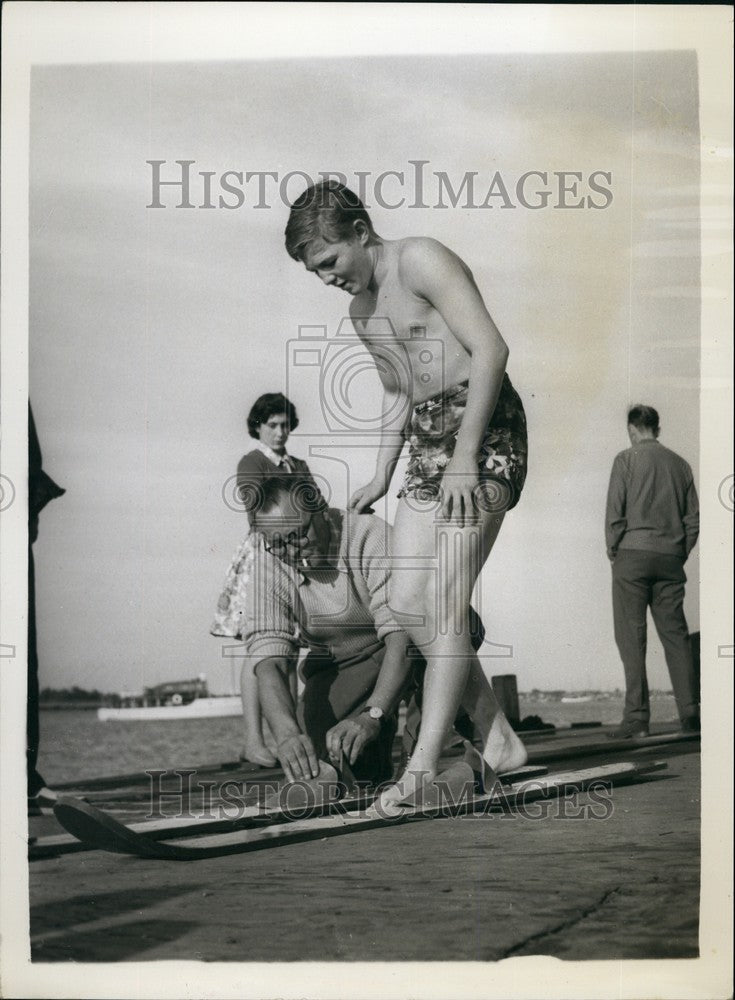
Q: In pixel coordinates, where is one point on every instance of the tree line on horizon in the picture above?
(74, 693)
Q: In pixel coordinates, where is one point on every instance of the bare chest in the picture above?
(395, 323)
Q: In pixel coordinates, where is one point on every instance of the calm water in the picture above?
(76, 745)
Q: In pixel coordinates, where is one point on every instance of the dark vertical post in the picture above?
(506, 691)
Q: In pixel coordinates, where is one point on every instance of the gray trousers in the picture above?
(643, 579)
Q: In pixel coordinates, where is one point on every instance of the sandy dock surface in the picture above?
(555, 882)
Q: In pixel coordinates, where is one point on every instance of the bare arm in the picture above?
(352, 735)
(295, 750)
(392, 366)
(391, 436)
(435, 274)
(394, 671)
(269, 632)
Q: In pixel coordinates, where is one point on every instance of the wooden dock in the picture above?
(574, 878)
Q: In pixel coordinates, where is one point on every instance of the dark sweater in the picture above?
(255, 467)
(651, 502)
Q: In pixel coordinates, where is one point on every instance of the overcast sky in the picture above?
(152, 331)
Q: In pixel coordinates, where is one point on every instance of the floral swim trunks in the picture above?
(503, 459)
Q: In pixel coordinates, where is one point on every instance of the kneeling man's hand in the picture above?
(298, 757)
(351, 736)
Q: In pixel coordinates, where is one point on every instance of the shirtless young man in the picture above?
(467, 434)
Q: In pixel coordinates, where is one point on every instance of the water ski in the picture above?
(98, 829)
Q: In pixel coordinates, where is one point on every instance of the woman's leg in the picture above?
(434, 568)
(254, 747)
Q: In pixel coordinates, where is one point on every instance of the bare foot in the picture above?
(503, 750)
(405, 791)
(258, 755)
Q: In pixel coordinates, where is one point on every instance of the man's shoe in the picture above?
(629, 731)
(691, 724)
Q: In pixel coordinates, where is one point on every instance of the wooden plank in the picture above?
(607, 746)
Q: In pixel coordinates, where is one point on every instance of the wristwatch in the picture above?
(375, 713)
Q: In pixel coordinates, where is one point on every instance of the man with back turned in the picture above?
(651, 526)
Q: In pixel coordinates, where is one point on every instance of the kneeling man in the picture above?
(321, 580)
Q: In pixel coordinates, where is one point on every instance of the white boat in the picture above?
(570, 699)
(200, 708)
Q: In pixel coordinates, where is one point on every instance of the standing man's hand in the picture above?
(298, 757)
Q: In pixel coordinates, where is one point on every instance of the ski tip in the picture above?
(97, 828)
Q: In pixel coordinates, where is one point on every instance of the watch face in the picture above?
(376, 713)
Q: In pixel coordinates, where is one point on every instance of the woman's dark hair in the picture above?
(267, 406)
(327, 210)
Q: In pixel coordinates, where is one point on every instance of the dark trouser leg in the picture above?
(316, 715)
(631, 590)
(34, 779)
(331, 695)
(375, 763)
(667, 608)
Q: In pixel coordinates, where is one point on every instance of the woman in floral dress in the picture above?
(270, 421)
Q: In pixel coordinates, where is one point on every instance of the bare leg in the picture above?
(434, 568)
(502, 750)
(254, 747)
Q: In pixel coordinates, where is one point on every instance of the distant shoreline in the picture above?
(543, 696)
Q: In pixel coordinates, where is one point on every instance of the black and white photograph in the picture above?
(366, 497)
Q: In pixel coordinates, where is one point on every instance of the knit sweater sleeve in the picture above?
(270, 625)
